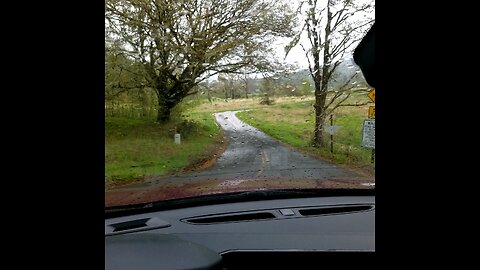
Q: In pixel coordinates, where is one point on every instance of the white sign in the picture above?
(177, 138)
(331, 129)
(368, 133)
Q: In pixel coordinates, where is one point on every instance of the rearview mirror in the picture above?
(364, 57)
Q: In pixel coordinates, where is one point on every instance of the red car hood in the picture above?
(168, 190)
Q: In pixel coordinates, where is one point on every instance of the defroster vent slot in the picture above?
(334, 210)
(231, 218)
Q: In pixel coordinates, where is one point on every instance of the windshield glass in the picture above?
(219, 96)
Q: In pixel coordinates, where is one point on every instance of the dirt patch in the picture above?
(211, 155)
(122, 183)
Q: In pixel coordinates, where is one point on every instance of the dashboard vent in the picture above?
(334, 210)
(137, 225)
(231, 218)
(130, 225)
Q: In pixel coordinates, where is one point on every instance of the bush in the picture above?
(186, 127)
(266, 101)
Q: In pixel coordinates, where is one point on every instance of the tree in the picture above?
(267, 89)
(120, 72)
(332, 30)
(124, 87)
(180, 43)
(245, 85)
(228, 87)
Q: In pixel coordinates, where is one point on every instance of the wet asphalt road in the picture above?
(251, 154)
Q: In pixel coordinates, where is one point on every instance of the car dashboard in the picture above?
(261, 234)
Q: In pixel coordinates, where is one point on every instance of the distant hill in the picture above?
(343, 73)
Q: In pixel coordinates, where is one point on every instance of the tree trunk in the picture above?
(164, 110)
(321, 84)
(163, 115)
(320, 98)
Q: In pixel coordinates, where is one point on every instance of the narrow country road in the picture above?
(253, 154)
(252, 159)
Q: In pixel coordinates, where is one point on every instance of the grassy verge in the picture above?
(135, 148)
(292, 123)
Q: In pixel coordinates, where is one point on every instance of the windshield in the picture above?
(206, 97)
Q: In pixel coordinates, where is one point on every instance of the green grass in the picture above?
(135, 148)
(293, 123)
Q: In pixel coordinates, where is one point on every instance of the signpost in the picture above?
(371, 112)
(367, 127)
(176, 137)
(331, 130)
(371, 95)
(368, 133)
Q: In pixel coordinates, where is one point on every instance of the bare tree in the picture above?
(182, 42)
(228, 85)
(245, 79)
(332, 27)
(267, 88)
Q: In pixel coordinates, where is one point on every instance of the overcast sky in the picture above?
(297, 55)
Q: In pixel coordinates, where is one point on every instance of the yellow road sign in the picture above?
(371, 112)
(371, 95)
